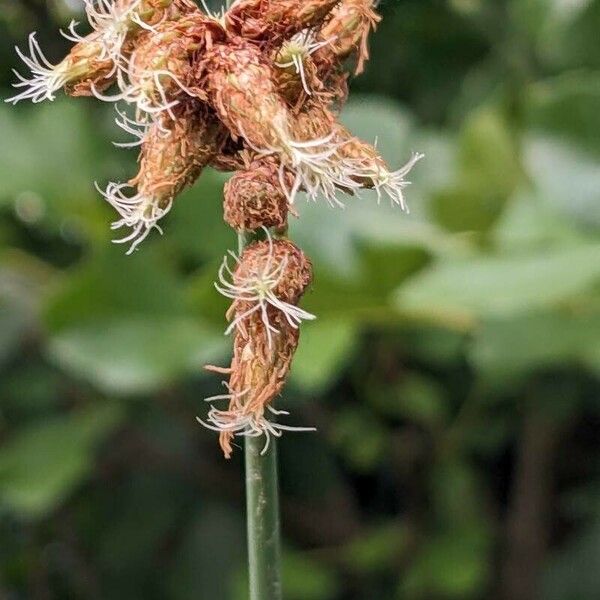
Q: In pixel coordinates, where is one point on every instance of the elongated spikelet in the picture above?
(174, 152)
(363, 162)
(242, 91)
(269, 280)
(85, 65)
(275, 20)
(351, 23)
(254, 197)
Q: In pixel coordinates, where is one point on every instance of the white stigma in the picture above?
(258, 290)
(139, 212)
(299, 48)
(390, 183)
(113, 21)
(246, 424)
(46, 79)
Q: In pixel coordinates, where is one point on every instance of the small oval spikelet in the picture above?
(254, 197)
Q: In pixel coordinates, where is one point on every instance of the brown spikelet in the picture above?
(274, 20)
(254, 198)
(351, 23)
(295, 277)
(101, 73)
(242, 92)
(176, 151)
(363, 155)
(258, 371)
(261, 358)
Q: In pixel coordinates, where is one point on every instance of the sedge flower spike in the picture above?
(254, 89)
(266, 286)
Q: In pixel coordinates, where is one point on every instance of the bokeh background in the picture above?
(452, 373)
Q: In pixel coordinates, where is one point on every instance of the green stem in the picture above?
(264, 537)
(262, 506)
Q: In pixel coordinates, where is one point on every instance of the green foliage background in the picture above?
(452, 373)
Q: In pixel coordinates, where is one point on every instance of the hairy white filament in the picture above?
(140, 212)
(246, 424)
(316, 166)
(390, 183)
(46, 79)
(299, 48)
(257, 289)
(113, 21)
(135, 127)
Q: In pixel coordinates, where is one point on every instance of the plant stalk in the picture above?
(262, 507)
(264, 536)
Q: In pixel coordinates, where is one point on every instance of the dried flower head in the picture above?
(174, 152)
(254, 89)
(253, 198)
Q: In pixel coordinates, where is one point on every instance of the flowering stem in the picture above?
(262, 506)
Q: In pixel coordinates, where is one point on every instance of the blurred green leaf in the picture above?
(308, 579)
(462, 292)
(488, 172)
(361, 439)
(43, 463)
(136, 355)
(565, 177)
(420, 400)
(325, 347)
(378, 549)
(509, 348)
(568, 106)
(450, 565)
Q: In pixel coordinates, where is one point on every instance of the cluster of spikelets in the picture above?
(254, 89)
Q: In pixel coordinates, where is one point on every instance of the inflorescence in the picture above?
(255, 89)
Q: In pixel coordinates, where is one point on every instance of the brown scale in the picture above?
(272, 21)
(172, 47)
(253, 197)
(314, 121)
